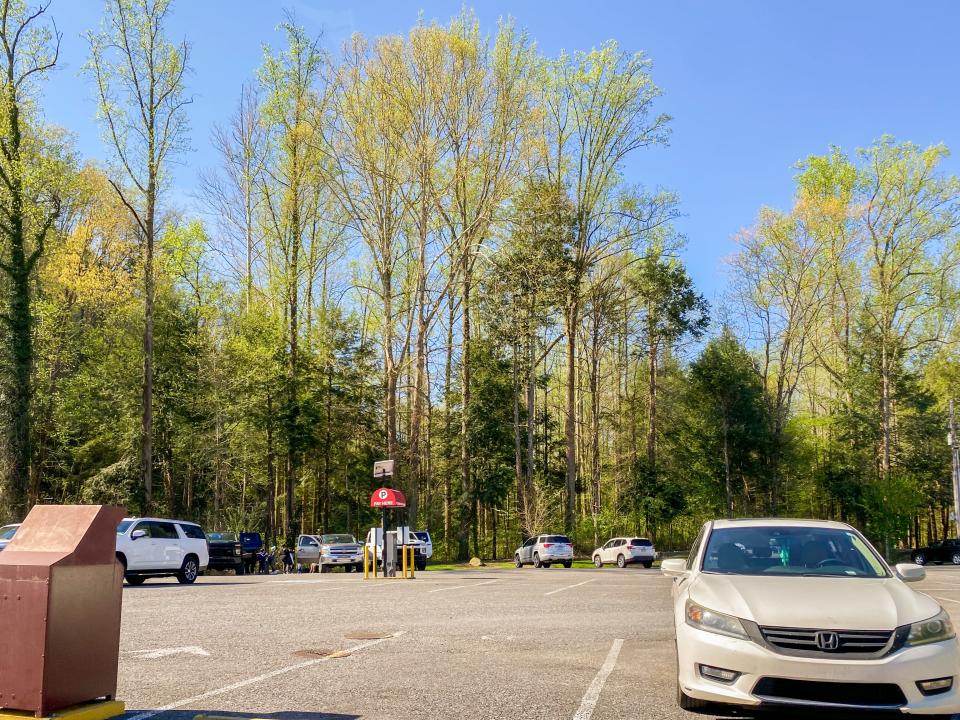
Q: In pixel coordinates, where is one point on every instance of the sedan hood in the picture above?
(814, 602)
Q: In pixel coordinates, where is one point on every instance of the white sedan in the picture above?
(806, 614)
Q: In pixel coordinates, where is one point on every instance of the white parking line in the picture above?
(945, 599)
(253, 681)
(568, 587)
(592, 695)
(461, 587)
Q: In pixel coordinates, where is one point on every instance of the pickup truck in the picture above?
(234, 551)
(329, 551)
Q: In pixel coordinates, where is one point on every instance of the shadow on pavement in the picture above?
(191, 714)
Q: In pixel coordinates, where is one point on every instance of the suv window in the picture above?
(641, 542)
(163, 531)
(530, 542)
(195, 532)
(560, 539)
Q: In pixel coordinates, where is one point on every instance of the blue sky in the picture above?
(753, 87)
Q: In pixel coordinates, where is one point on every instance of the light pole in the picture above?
(954, 443)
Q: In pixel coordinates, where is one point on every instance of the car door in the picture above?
(526, 551)
(169, 546)
(605, 551)
(308, 550)
(142, 553)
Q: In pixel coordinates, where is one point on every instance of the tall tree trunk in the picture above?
(726, 465)
(271, 475)
(448, 435)
(467, 512)
(517, 449)
(572, 314)
(146, 447)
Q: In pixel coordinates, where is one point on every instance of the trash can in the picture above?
(60, 595)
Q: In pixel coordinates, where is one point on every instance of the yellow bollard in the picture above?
(413, 563)
(403, 561)
(366, 564)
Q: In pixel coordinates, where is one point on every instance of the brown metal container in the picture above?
(60, 595)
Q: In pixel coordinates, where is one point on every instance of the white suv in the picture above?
(155, 547)
(625, 551)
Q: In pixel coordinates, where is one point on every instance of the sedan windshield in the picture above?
(798, 551)
(338, 540)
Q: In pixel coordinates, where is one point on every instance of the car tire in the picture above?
(536, 560)
(692, 704)
(919, 559)
(135, 580)
(648, 565)
(189, 572)
(547, 565)
(420, 566)
(956, 558)
(621, 561)
(568, 564)
(516, 561)
(597, 562)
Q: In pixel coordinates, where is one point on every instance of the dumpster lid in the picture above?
(52, 533)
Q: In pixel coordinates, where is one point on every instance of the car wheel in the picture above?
(597, 562)
(956, 558)
(568, 564)
(692, 704)
(536, 560)
(189, 572)
(546, 565)
(135, 580)
(621, 561)
(516, 561)
(421, 567)
(648, 565)
(919, 558)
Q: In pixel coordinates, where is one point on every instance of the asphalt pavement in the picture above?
(543, 644)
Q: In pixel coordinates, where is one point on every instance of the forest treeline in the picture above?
(426, 247)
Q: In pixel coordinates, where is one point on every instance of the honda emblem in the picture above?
(827, 640)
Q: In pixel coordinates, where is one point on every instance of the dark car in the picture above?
(944, 551)
(234, 551)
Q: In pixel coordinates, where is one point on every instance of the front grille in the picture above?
(792, 641)
(863, 695)
(344, 552)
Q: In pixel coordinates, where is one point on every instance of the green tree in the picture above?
(32, 165)
(139, 75)
(725, 386)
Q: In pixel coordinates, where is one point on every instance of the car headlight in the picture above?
(712, 621)
(936, 629)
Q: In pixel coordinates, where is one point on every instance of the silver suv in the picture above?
(544, 550)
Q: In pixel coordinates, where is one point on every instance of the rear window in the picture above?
(561, 539)
(195, 532)
(641, 542)
(224, 536)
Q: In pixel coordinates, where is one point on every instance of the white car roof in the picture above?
(155, 519)
(780, 522)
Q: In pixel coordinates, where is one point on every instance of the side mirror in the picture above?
(908, 572)
(674, 567)
(137, 534)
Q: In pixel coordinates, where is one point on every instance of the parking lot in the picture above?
(549, 643)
